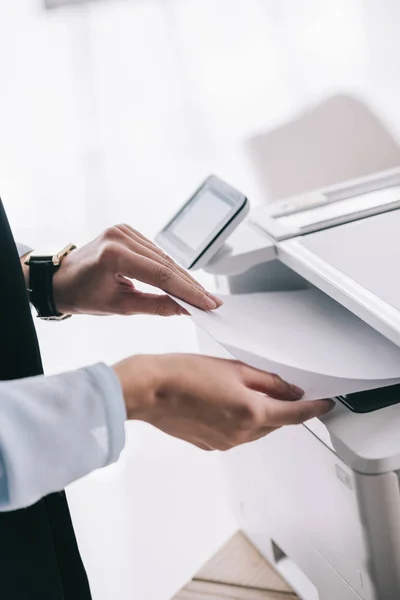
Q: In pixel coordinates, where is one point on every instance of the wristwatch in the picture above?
(41, 270)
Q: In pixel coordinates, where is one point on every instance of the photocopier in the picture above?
(321, 501)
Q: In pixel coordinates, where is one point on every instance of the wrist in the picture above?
(60, 297)
(141, 379)
(63, 286)
(43, 270)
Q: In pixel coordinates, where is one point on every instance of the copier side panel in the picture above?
(311, 495)
(379, 500)
(268, 527)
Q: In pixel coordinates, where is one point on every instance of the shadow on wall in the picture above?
(339, 139)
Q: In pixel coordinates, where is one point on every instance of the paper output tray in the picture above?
(370, 400)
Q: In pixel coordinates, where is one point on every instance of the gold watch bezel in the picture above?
(56, 258)
(59, 257)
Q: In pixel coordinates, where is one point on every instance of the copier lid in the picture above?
(368, 251)
(358, 264)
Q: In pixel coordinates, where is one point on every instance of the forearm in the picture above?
(54, 430)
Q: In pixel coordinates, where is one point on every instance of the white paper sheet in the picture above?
(305, 337)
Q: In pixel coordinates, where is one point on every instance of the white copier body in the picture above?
(321, 501)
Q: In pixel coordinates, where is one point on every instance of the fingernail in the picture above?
(218, 301)
(298, 392)
(183, 311)
(332, 404)
(210, 303)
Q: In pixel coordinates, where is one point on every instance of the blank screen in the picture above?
(202, 218)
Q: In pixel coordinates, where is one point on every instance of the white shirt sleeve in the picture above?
(54, 430)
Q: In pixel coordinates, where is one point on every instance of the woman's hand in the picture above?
(96, 279)
(212, 403)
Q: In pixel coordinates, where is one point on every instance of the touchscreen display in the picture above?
(201, 219)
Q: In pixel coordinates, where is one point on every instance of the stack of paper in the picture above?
(305, 337)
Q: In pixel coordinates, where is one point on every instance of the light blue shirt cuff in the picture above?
(114, 405)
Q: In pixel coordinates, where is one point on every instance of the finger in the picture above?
(146, 248)
(136, 233)
(270, 383)
(280, 413)
(126, 283)
(166, 259)
(199, 442)
(143, 242)
(150, 304)
(148, 271)
(155, 250)
(141, 250)
(202, 446)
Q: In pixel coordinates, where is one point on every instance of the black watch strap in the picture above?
(41, 271)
